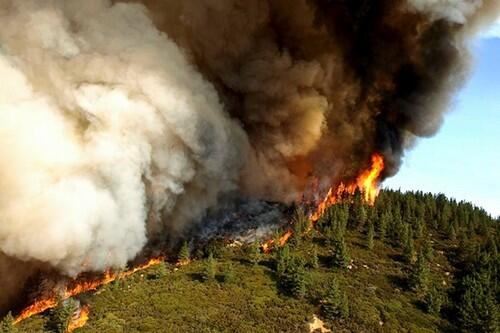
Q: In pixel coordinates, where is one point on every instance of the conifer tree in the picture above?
(228, 273)
(184, 252)
(428, 251)
(209, 269)
(61, 315)
(297, 279)
(314, 260)
(477, 308)
(369, 237)
(452, 234)
(335, 304)
(358, 214)
(340, 256)
(419, 275)
(301, 222)
(409, 249)
(160, 271)
(419, 227)
(283, 260)
(292, 276)
(433, 301)
(385, 219)
(254, 253)
(7, 324)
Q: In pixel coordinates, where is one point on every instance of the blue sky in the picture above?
(463, 159)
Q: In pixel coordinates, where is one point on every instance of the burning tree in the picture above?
(62, 315)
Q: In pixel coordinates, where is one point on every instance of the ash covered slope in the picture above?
(123, 122)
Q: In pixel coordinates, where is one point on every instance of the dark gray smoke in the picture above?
(320, 85)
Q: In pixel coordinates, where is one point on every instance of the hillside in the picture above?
(412, 263)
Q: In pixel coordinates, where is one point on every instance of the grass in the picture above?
(181, 302)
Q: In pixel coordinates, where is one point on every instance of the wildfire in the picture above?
(266, 247)
(81, 319)
(367, 183)
(79, 286)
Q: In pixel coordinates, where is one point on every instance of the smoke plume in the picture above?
(125, 121)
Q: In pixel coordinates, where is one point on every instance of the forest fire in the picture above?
(79, 286)
(367, 183)
(80, 319)
(266, 247)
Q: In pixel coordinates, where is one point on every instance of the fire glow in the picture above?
(367, 183)
(80, 320)
(78, 286)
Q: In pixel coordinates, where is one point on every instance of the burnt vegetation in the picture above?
(413, 262)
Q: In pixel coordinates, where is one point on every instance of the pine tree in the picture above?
(292, 276)
(358, 214)
(254, 253)
(61, 315)
(314, 260)
(7, 324)
(419, 227)
(160, 272)
(385, 219)
(283, 259)
(335, 304)
(297, 279)
(184, 253)
(340, 256)
(433, 301)
(369, 237)
(452, 234)
(409, 249)
(301, 222)
(228, 273)
(477, 308)
(209, 269)
(419, 275)
(428, 250)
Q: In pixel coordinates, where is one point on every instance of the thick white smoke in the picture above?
(104, 125)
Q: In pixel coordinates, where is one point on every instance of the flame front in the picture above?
(77, 287)
(266, 247)
(81, 320)
(367, 183)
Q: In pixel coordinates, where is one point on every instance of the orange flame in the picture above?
(81, 320)
(367, 183)
(77, 287)
(267, 246)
